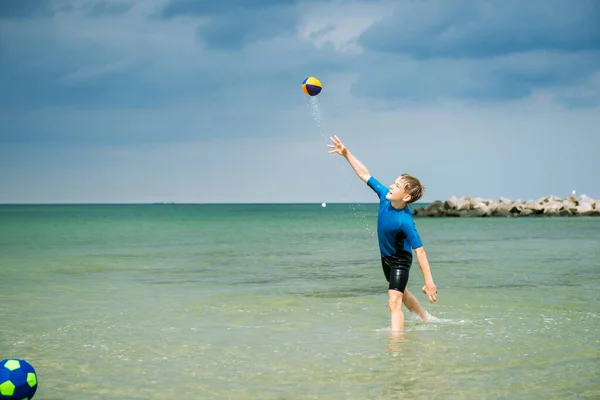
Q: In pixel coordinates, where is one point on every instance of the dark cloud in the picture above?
(45, 64)
(396, 77)
(25, 8)
(238, 29)
(480, 50)
(85, 75)
(200, 8)
(212, 7)
(109, 8)
(235, 24)
(479, 29)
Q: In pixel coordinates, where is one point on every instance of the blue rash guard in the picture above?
(397, 237)
(396, 229)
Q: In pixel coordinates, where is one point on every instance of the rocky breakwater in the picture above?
(478, 207)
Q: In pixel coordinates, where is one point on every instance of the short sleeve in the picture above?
(377, 187)
(412, 235)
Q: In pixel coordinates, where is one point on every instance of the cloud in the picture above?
(234, 24)
(480, 29)
(109, 8)
(479, 51)
(206, 7)
(15, 9)
(200, 8)
(74, 78)
(238, 29)
(583, 94)
(131, 60)
(36, 9)
(504, 78)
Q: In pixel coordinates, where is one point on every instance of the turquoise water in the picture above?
(289, 302)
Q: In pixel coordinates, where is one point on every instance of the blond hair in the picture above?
(413, 187)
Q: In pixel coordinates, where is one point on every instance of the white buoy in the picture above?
(323, 204)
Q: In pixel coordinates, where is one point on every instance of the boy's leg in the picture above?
(397, 275)
(395, 304)
(413, 305)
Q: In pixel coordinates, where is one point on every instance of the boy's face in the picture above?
(397, 191)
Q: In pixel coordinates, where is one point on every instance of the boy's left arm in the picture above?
(429, 289)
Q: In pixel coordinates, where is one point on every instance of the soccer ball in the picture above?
(18, 380)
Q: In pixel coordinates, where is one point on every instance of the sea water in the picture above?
(288, 301)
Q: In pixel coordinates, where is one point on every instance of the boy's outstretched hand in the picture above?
(337, 146)
(431, 291)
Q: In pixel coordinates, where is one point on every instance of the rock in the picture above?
(516, 209)
(569, 205)
(586, 209)
(464, 203)
(503, 211)
(453, 213)
(493, 206)
(593, 203)
(586, 199)
(552, 208)
(479, 207)
(539, 207)
(476, 212)
(573, 199)
(564, 212)
(451, 203)
(526, 212)
(435, 209)
(464, 213)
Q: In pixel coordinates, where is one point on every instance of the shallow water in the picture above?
(289, 302)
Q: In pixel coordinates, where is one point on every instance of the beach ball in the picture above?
(18, 380)
(311, 86)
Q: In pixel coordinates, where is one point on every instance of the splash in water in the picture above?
(361, 218)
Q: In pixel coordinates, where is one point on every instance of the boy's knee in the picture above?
(395, 300)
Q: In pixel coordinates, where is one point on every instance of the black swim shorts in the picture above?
(396, 270)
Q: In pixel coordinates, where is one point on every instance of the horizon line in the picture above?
(183, 203)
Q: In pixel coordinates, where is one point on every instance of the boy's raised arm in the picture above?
(358, 167)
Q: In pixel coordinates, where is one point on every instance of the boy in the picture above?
(397, 236)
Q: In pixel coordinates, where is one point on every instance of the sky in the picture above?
(200, 101)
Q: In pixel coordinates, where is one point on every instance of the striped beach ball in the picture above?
(311, 86)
